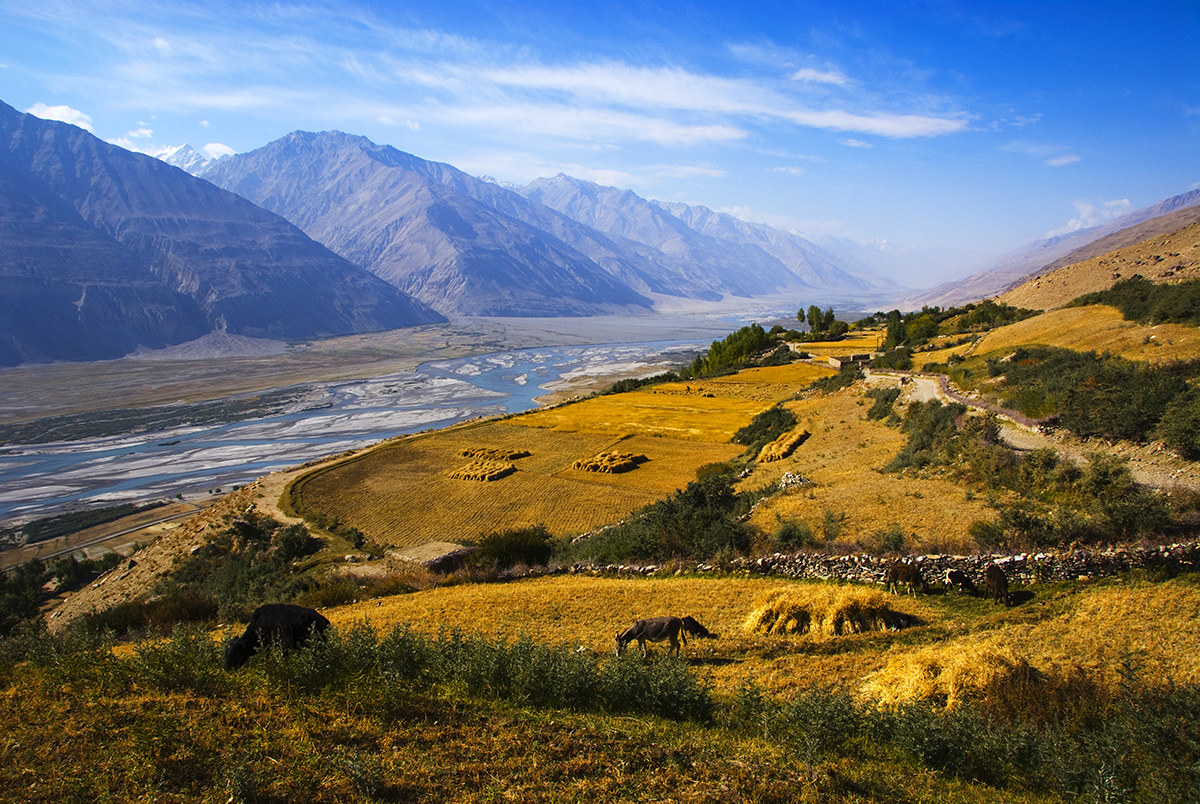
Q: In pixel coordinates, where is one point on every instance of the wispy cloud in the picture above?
(808, 74)
(1089, 214)
(1052, 155)
(1065, 159)
(791, 170)
(63, 114)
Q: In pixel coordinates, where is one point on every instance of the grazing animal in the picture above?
(690, 626)
(996, 583)
(289, 625)
(652, 629)
(907, 574)
(957, 579)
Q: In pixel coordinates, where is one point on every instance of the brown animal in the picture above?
(652, 629)
(957, 579)
(690, 626)
(907, 574)
(996, 584)
(288, 625)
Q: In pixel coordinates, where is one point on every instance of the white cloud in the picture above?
(216, 150)
(791, 170)
(387, 120)
(1089, 215)
(204, 124)
(1065, 159)
(853, 143)
(63, 114)
(140, 134)
(808, 74)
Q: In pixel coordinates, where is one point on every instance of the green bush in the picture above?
(765, 428)
(884, 398)
(501, 550)
(1179, 427)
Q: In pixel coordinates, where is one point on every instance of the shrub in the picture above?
(505, 549)
(765, 428)
(884, 398)
(1179, 427)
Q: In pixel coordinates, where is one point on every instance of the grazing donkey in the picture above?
(290, 625)
(653, 629)
(690, 626)
(996, 583)
(957, 579)
(907, 574)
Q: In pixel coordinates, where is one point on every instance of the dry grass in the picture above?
(493, 454)
(1164, 258)
(783, 446)
(1097, 328)
(843, 457)
(951, 674)
(822, 612)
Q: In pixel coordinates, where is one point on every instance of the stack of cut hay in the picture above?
(610, 462)
(493, 453)
(783, 446)
(483, 470)
(825, 611)
(953, 673)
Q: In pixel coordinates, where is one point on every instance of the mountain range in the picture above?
(106, 252)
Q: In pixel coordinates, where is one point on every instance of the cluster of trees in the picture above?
(1139, 299)
(916, 328)
(22, 588)
(749, 346)
(822, 326)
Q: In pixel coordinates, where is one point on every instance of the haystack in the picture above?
(493, 453)
(610, 462)
(951, 674)
(823, 612)
(483, 470)
(783, 446)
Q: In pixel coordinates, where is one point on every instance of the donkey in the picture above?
(690, 626)
(652, 629)
(960, 580)
(289, 625)
(996, 583)
(907, 574)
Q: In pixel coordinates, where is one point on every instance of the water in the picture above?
(333, 418)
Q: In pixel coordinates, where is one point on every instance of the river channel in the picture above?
(325, 419)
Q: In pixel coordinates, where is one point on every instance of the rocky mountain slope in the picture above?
(423, 227)
(1160, 257)
(1036, 258)
(106, 251)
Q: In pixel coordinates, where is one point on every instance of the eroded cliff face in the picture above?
(105, 251)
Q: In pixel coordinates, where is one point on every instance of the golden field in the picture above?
(403, 492)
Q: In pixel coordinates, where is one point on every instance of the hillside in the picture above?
(1168, 257)
(1035, 257)
(107, 251)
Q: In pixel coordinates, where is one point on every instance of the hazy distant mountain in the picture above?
(460, 244)
(700, 248)
(1035, 258)
(105, 251)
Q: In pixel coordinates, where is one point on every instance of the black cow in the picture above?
(996, 583)
(289, 625)
(960, 580)
(907, 574)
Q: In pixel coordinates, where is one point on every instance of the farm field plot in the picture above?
(402, 494)
(849, 497)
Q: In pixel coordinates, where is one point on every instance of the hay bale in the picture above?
(783, 446)
(610, 462)
(493, 453)
(824, 612)
(483, 470)
(951, 674)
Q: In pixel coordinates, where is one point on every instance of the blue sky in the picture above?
(936, 124)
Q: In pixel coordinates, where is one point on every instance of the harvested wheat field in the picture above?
(538, 468)
(849, 498)
(587, 612)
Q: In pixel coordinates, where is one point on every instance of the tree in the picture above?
(800, 315)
